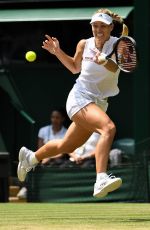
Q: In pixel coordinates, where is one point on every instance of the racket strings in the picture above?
(126, 55)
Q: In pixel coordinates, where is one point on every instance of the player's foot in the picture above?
(106, 185)
(24, 165)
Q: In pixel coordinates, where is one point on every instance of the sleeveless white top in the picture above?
(95, 80)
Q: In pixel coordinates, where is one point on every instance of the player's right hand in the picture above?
(51, 44)
(100, 58)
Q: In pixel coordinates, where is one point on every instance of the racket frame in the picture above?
(114, 51)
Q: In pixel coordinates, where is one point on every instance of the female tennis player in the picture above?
(87, 101)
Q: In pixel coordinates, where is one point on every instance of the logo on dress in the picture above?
(88, 58)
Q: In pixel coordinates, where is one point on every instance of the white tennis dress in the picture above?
(95, 83)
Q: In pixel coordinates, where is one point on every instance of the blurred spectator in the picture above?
(115, 157)
(55, 130)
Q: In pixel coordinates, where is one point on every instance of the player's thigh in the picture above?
(75, 136)
(93, 118)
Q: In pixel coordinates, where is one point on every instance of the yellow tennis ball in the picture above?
(30, 56)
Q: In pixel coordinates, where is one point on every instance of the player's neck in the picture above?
(99, 44)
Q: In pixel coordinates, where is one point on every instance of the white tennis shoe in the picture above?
(105, 185)
(24, 165)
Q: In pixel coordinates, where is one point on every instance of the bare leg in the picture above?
(96, 120)
(102, 152)
(76, 136)
(88, 120)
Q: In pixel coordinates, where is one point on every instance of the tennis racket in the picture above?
(125, 52)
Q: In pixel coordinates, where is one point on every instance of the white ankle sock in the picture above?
(101, 175)
(33, 160)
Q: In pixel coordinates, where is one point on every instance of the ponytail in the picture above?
(117, 18)
(125, 30)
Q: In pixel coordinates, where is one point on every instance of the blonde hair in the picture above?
(116, 18)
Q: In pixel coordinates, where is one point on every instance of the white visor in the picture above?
(101, 17)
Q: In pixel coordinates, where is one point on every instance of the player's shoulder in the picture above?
(80, 46)
(82, 43)
(113, 39)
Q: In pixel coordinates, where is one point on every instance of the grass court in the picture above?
(99, 216)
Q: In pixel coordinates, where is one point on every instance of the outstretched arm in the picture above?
(51, 44)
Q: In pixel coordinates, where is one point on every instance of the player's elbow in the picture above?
(75, 70)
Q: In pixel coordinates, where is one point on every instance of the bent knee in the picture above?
(108, 129)
(111, 127)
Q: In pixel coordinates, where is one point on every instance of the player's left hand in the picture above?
(51, 44)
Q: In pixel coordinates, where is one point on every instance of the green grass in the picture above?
(100, 216)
